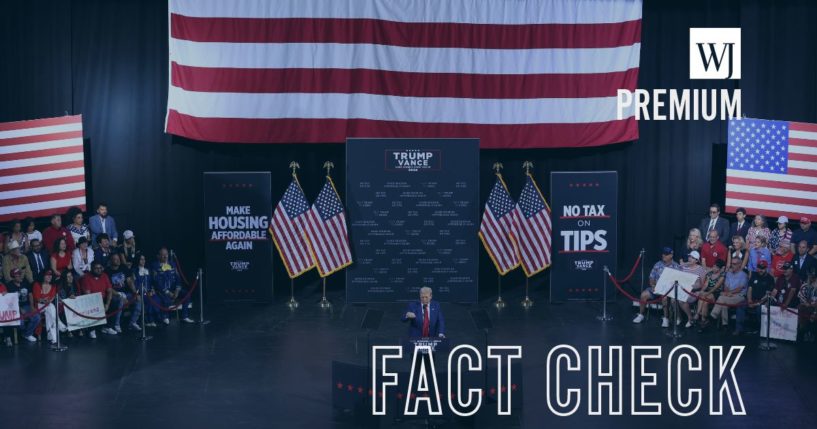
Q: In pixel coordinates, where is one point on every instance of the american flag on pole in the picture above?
(326, 231)
(288, 227)
(771, 167)
(532, 229)
(42, 167)
(496, 227)
(512, 73)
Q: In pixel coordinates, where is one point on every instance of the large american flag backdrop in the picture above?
(771, 167)
(515, 74)
(42, 167)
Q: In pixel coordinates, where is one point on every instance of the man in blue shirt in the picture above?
(101, 223)
(167, 288)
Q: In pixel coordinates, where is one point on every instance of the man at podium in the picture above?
(424, 317)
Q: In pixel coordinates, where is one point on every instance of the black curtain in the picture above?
(107, 60)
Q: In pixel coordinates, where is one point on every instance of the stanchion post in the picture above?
(604, 317)
(768, 345)
(58, 347)
(292, 304)
(202, 320)
(527, 302)
(499, 304)
(325, 302)
(674, 333)
(144, 334)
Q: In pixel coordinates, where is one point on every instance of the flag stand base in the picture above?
(292, 304)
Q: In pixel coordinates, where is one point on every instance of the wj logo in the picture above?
(714, 53)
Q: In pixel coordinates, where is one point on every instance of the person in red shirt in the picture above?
(98, 281)
(44, 293)
(713, 250)
(55, 231)
(781, 256)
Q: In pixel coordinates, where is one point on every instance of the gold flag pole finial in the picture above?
(527, 165)
(294, 166)
(497, 167)
(328, 165)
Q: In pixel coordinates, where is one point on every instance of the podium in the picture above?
(440, 346)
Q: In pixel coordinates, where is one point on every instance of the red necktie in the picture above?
(425, 321)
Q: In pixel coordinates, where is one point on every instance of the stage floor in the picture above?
(267, 366)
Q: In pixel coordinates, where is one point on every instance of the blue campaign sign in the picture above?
(413, 215)
(585, 234)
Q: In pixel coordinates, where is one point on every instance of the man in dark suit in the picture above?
(741, 226)
(803, 262)
(424, 317)
(38, 259)
(714, 221)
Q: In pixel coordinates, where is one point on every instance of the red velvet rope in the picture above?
(113, 313)
(181, 302)
(630, 297)
(632, 271)
(181, 270)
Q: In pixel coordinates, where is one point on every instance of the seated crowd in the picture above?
(741, 266)
(84, 259)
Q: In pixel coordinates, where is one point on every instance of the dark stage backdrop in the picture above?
(108, 61)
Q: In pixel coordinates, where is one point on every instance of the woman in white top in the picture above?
(79, 229)
(82, 257)
(31, 230)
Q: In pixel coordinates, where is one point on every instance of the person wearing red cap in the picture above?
(781, 256)
(805, 233)
(26, 302)
(786, 288)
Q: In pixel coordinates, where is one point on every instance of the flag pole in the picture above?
(293, 304)
(527, 302)
(328, 165)
(499, 304)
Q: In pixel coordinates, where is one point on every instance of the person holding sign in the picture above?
(649, 293)
(734, 293)
(44, 293)
(26, 301)
(98, 282)
(424, 317)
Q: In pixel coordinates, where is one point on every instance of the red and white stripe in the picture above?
(533, 239)
(514, 74)
(329, 241)
(794, 194)
(289, 238)
(495, 235)
(42, 167)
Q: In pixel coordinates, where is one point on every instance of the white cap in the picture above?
(695, 254)
(127, 235)
(13, 244)
(782, 219)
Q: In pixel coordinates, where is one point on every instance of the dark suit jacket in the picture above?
(809, 264)
(436, 325)
(33, 263)
(721, 225)
(733, 230)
